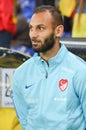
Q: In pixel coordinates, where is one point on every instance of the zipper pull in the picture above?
(46, 75)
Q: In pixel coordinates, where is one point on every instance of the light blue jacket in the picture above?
(51, 96)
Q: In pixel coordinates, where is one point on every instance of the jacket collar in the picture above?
(59, 57)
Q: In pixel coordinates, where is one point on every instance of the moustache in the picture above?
(35, 40)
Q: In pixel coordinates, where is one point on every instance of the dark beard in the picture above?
(48, 44)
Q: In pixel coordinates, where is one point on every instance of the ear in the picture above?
(59, 30)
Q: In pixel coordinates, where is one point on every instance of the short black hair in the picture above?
(55, 13)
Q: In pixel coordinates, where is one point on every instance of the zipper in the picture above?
(46, 75)
(47, 71)
(46, 67)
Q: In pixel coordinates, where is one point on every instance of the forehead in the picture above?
(44, 18)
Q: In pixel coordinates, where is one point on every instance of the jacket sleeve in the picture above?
(18, 100)
(80, 88)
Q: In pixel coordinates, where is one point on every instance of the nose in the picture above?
(33, 33)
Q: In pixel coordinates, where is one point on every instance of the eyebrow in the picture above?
(39, 25)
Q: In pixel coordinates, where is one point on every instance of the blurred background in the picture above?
(15, 16)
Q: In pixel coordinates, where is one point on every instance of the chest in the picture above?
(56, 89)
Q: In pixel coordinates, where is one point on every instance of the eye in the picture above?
(41, 28)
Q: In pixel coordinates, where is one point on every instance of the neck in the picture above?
(50, 53)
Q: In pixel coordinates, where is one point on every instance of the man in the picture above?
(49, 89)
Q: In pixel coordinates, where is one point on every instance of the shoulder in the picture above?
(78, 65)
(76, 61)
(25, 65)
(28, 65)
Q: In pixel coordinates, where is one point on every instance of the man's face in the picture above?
(41, 32)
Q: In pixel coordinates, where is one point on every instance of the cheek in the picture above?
(45, 35)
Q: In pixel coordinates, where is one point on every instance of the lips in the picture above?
(34, 42)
